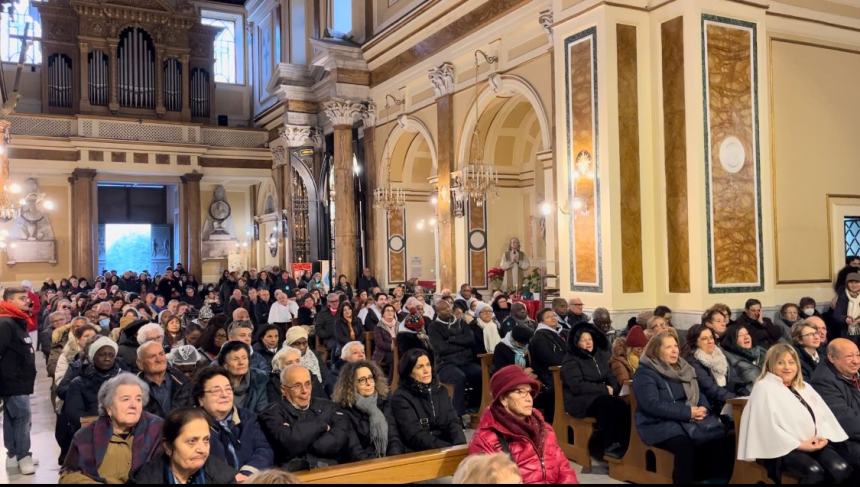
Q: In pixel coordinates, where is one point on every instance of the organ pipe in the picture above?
(60, 81)
(136, 55)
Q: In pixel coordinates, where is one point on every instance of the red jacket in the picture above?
(553, 468)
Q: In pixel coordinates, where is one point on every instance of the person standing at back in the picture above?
(17, 378)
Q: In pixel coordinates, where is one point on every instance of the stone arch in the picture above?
(405, 125)
(267, 190)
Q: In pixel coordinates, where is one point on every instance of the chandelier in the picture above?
(387, 197)
(8, 209)
(476, 182)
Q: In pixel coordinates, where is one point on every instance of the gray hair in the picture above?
(142, 348)
(344, 352)
(282, 353)
(107, 392)
(146, 329)
(56, 314)
(80, 318)
(236, 325)
(289, 369)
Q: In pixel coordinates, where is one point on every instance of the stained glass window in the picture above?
(15, 17)
(852, 235)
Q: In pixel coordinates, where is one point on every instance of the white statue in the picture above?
(32, 224)
(513, 262)
(218, 221)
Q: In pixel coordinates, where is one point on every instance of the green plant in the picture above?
(532, 281)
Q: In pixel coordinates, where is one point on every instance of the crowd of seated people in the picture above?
(273, 371)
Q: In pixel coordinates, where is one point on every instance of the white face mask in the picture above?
(809, 311)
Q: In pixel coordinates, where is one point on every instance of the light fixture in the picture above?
(8, 209)
(48, 205)
(546, 208)
(434, 200)
(387, 197)
(420, 225)
(432, 222)
(356, 169)
(583, 164)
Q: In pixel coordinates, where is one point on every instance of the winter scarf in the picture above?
(7, 310)
(414, 322)
(240, 392)
(389, 327)
(519, 353)
(716, 362)
(530, 427)
(853, 312)
(681, 372)
(378, 423)
(309, 361)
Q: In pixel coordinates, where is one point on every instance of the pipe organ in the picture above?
(144, 59)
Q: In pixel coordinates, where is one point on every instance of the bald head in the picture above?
(296, 386)
(845, 356)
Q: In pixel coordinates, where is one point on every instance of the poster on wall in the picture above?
(301, 267)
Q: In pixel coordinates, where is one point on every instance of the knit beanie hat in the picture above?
(481, 307)
(522, 334)
(294, 334)
(636, 338)
(509, 378)
(99, 344)
(184, 355)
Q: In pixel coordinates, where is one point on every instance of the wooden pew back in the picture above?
(749, 472)
(573, 434)
(406, 468)
(486, 397)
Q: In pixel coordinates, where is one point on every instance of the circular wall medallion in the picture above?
(477, 240)
(396, 243)
(732, 154)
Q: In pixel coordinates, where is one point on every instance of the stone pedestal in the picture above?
(218, 249)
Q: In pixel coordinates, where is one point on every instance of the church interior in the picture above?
(625, 153)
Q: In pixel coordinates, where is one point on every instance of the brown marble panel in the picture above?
(632, 280)
(117, 157)
(675, 153)
(44, 154)
(183, 160)
(141, 158)
(477, 256)
(235, 163)
(162, 158)
(734, 190)
(584, 189)
(303, 106)
(397, 260)
(97, 155)
(353, 76)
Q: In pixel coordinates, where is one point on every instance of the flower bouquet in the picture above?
(496, 276)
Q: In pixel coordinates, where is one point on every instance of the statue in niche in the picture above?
(32, 224)
(218, 220)
(514, 262)
(272, 243)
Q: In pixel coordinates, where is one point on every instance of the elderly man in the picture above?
(326, 320)
(243, 331)
(838, 382)
(821, 326)
(519, 316)
(165, 383)
(456, 362)
(134, 335)
(305, 432)
(577, 312)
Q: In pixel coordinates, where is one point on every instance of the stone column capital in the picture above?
(280, 156)
(342, 112)
(83, 173)
(295, 135)
(192, 177)
(442, 79)
(368, 113)
(546, 21)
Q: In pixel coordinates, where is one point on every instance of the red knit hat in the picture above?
(636, 338)
(509, 378)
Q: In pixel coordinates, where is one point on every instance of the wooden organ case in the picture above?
(140, 58)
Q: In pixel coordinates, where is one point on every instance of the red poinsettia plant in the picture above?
(496, 273)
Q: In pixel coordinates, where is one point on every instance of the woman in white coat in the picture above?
(787, 426)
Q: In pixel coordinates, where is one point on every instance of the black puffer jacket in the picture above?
(361, 445)
(301, 438)
(546, 349)
(81, 401)
(585, 375)
(425, 417)
(128, 344)
(453, 344)
(215, 471)
(17, 357)
(180, 393)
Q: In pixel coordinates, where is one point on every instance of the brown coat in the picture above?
(621, 369)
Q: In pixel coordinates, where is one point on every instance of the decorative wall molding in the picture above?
(295, 135)
(442, 79)
(342, 112)
(546, 21)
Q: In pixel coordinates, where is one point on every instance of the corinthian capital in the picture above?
(280, 155)
(342, 112)
(295, 135)
(442, 79)
(546, 21)
(368, 113)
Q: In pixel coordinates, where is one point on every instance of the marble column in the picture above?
(84, 241)
(374, 262)
(292, 137)
(191, 192)
(342, 114)
(442, 79)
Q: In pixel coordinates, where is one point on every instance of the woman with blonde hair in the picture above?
(487, 469)
(788, 427)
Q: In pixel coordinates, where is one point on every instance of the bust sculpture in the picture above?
(218, 220)
(514, 262)
(32, 224)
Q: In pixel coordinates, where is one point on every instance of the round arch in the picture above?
(405, 125)
(503, 85)
(267, 190)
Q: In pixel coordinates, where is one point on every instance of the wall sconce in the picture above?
(583, 166)
(397, 102)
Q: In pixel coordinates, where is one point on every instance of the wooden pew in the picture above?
(573, 434)
(406, 468)
(368, 344)
(749, 472)
(486, 397)
(642, 464)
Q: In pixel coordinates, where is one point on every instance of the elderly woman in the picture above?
(717, 320)
(384, 336)
(591, 390)
(362, 394)
(656, 325)
(425, 417)
(528, 439)
(297, 337)
(513, 349)
(74, 349)
(788, 427)
(285, 357)
(744, 358)
(785, 318)
(625, 354)
(716, 379)
(546, 349)
(235, 433)
(486, 327)
(807, 342)
(123, 439)
(672, 413)
(249, 385)
(186, 459)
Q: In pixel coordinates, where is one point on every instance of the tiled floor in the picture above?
(45, 448)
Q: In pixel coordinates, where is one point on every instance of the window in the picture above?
(341, 18)
(15, 17)
(852, 235)
(229, 52)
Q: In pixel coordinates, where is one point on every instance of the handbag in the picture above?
(704, 431)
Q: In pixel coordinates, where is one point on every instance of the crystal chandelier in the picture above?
(387, 197)
(476, 182)
(8, 209)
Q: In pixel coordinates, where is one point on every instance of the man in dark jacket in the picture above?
(326, 320)
(519, 316)
(456, 363)
(168, 387)
(366, 282)
(764, 333)
(128, 341)
(838, 382)
(305, 432)
(17, 378)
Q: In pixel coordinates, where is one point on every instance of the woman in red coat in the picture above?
(530, 441)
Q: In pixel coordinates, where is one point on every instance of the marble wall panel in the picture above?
(477, 242)
(396, 238)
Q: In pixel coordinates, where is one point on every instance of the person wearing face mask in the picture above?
(362, 394)
(519, 315)
(512, 424)
(235, 433)
(808, 307)
(123, 439)
(744, 358)
(425, 417)
(788, 427)
(185, 441)
(267, 346)
(305, 431)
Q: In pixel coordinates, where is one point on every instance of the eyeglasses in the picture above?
(815, 334)
(577, 304)
(300, 386)
(218, 391)
(522, 392)
(366, 380)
